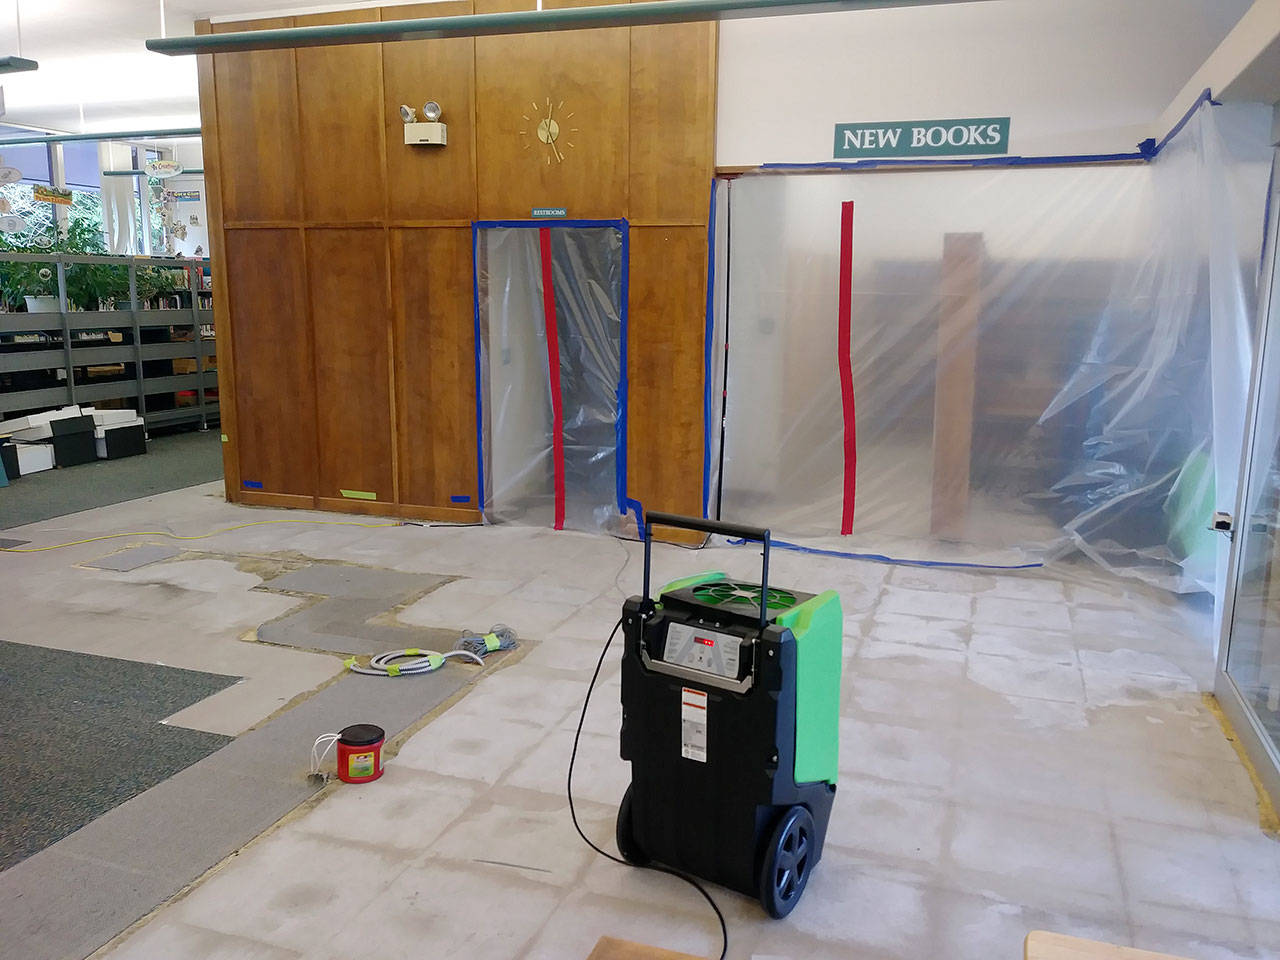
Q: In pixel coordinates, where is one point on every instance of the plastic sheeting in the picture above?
(1101, 317)
(519, 442)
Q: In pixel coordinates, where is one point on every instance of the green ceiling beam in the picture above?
(125, 135)
(647, 13)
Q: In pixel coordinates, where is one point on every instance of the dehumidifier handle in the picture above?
(654, 519)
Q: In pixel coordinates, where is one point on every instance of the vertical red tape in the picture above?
(553, 369)
(844, 354)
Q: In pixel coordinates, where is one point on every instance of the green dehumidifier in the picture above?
(730, 717)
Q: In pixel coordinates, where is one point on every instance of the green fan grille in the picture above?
(724, 592)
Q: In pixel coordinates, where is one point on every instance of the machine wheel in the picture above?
(625, 834)
(788, 860)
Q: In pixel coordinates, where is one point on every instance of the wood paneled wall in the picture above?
(342, 258)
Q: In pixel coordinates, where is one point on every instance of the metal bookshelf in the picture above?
(63, 345)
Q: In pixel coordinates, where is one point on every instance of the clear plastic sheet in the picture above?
(517, 427)
(1109, 356)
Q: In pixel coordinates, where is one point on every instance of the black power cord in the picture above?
(724, 931)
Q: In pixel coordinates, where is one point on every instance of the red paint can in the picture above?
(360, 753)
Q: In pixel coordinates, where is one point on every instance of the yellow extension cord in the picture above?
(200, 536)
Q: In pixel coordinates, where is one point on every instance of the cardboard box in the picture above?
(120, 440)
(73, 441)
(34, 457)
(113, 418)
(184, 365)
(37, 425)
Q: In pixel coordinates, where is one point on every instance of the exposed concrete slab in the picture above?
(134, 557)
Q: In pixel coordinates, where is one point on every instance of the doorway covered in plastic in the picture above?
(550, 356)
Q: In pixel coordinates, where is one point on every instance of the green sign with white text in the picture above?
(922, 138)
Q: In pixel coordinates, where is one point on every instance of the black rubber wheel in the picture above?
(788, 861)
(625, 834)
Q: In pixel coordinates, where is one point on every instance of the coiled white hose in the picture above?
(407, 662)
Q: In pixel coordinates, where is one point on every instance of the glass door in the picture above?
(1248, 683)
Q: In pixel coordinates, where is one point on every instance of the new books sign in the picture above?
(922, 138)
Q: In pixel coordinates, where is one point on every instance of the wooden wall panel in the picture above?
(311, 140)
(431, 270)
(218, 269)
(275, 395)
(430, 183)
(257, 118)
(673, 110)
(341, 127)
(664, 341)
(351, 320)
(582, 77)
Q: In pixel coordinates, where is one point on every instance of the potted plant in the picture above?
(39, 287)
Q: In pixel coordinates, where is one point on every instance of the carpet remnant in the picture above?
(84, 735)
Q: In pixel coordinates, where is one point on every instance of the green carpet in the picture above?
(83, 735)
(170, 463)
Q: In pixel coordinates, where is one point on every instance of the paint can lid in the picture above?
(361, 735)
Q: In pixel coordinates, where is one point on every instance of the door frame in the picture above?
(624, 501)
(1263, 753)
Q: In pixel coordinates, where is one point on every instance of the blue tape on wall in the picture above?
(253, 484)
(881, 558)
(475, 302)
(707, 346)
(620, 420)
(459, 498)
(1147, 150)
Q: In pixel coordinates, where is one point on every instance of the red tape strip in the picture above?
(844, 354)
(553, 369)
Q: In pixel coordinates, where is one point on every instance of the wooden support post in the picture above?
(959, 308)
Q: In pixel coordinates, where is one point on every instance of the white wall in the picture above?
(1075, 76)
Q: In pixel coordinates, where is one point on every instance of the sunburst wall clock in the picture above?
(549, 128)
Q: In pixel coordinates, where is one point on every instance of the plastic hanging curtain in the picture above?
(1043, 360)
(550, 328)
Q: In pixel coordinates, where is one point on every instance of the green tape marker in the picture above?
(393, 670)
(349, 662)
(225, 438)
(491, 641)
(358, 495)
(435, 660)
(412, 652)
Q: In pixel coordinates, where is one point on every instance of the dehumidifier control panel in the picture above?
(699, 649)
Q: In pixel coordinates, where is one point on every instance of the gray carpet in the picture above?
(69, 899)
(170, 463)
(83, 735)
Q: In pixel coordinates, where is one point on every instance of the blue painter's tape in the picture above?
(881, 558)
(1206, 96)
(475, 301)
(637, 508)
(459, 498)
(707, 346)
(852, 165)
(620, 419)
(620, 422)
(1147, 150)
(253, 484)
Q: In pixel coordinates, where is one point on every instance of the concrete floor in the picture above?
(1018, 751)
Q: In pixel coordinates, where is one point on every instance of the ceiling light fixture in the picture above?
(17, 65)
